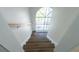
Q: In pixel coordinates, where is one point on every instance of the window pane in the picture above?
(43, 19)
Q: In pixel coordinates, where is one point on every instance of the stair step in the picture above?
(39, 44)
(39, 50)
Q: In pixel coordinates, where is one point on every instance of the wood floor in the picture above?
(38, 43)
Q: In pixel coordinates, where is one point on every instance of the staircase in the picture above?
(38, 45)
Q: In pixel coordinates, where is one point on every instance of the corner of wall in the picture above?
(24, 42)
(52, 41)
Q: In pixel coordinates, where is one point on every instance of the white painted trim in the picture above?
(52, 41)
(24, 42)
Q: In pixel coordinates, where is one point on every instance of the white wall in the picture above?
(70, 40)
(3, 49)
(7, 39)
(33, 11)
(63, 17)
(15, 14)
(18, 15)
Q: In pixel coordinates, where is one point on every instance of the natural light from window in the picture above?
(43, 19)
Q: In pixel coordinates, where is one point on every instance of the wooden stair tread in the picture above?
(40, 49)
(38, 44)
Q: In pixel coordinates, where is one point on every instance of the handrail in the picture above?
(4, 48)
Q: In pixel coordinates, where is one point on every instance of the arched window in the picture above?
(43, 19)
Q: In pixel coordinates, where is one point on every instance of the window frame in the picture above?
(46, 21)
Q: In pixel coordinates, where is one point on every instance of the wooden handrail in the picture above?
(13, 25)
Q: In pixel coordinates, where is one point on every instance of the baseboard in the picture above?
(52, 41)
